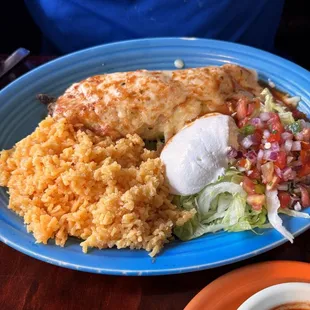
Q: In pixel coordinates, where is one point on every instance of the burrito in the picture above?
(153, 104)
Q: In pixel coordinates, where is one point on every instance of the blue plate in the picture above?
(20, 113)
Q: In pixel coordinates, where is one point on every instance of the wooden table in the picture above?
(26, 283)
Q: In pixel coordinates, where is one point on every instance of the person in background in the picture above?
(71, 25)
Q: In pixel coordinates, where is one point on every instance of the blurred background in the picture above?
(19, 30)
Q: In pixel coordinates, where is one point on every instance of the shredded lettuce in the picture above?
(286, 118)
(270, 105)
(222, 206)
(231, 175)
(210, 192)
(194, 229)
(251, 219)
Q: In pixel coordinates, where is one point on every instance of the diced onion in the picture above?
(304, 124)
(247, 142)
(270, 155)
(288, 174)
(260, 155)
(251, 156)
(299, 136)
(288, 145)
(267, 154)
(283, 187)
(287, 135)
(257, 122)
(273, 155)
(275, 146)
(265, 116)
(296, 146)
(232, 153)
(278, 171)
(297, 206)
(266, 133)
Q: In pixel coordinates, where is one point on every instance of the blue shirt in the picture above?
(70, 25)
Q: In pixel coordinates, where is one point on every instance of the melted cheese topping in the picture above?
(152, 103)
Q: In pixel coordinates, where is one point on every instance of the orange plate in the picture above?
(229, 291)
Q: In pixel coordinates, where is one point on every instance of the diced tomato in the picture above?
(281, 160)
(242, 108)
(255, 174)
(256, 201)
(258, 135)
(267, 171)
(273, 183)
(305, 153)
(244, 163)
(257, 138)
(305, 156)
(305, 146)
(285, 199)
(274, 137)
(304, 170)
(305, 159)
(248, 185)
(252, 107)
(245, 108)
(305, 198)
(275, 123)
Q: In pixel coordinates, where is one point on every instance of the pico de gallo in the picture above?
(269, 174)
(275, 151)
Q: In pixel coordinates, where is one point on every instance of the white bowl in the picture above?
(277, 295)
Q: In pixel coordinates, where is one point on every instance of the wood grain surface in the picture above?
(26, 283)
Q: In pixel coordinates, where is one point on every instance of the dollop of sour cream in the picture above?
(197, 155)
